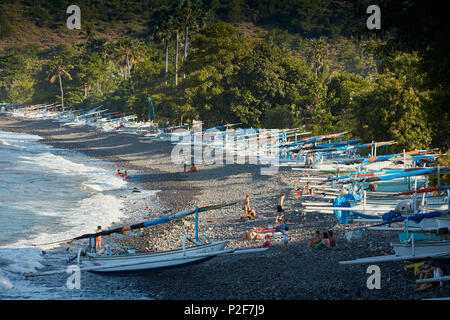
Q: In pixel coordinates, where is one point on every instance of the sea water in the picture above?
(47, 195)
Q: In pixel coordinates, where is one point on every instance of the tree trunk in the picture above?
(167, 59)
(128, 67)
(62, 92)
(185, 46)
(99, 86)
(176, 59)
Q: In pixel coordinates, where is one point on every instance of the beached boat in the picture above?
(443, 222)
(412, 246)
(420, 247)
(131, 262)
(106, 262)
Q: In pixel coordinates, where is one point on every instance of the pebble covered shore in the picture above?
(270, 275)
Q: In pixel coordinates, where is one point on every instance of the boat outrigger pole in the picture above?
(146, 224)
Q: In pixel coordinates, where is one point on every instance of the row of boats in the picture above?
(98, 117)
(283, 147)
(388, 199)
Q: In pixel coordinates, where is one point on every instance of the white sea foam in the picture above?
(54, 195)
(13, 137)
(5, 283)
(95, 177)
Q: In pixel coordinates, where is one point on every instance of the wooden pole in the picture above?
(196, 224)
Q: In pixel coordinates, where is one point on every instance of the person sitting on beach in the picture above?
(325, 243)
(98, 240)
(308, 190)
(332, 239)
(280, 209)
(325, 240)
(193, 168)
(246, 235)
(315, 241)
(429, 270)
(118, 172)
(246, 207)
(125, 175)
(252, 235)
(248, 212)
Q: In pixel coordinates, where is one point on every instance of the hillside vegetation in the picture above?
(273, 64)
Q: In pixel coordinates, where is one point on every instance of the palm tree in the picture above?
(177, 28)
(163, 30)
(317, 55)
(128, 54)
(192, 15)
(57, 69)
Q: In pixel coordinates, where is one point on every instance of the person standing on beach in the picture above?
(309, 161)
(185, 162)
(280, 210)
(308, 190)
(98, 240)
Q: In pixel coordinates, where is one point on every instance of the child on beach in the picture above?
(325, 243)
(332, 239)
(315, 241)
(98, 240)
(325, 240)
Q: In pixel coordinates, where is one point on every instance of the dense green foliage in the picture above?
(310, 66)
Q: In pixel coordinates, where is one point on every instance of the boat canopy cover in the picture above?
(344, 201)
(393, 216)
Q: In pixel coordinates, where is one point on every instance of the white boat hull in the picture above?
(150, 262)
(443, 222)
(420, 248)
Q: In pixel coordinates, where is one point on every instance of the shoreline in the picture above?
(272, 275)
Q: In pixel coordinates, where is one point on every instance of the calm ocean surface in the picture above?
(46, 195)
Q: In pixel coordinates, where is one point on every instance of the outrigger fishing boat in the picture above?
(108, 263)
(411, 245)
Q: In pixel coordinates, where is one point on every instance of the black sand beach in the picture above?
(272, 275)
